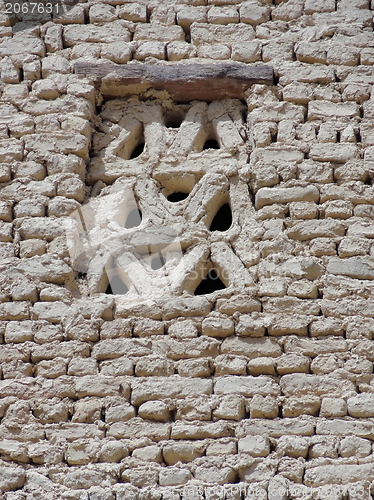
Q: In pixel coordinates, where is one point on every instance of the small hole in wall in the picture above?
(158, 262)
(211, 283)
(177, 188)
(116, 287)
(137, 151)
(174, 118)
(175, 197)
(358, 137)
(338, 136)
(134, 219)
(211, 144)
(174, 123)
(223, 219)
(274, 137)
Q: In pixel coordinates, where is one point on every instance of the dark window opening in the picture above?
(116, 287)
(158, 262)
(137, 151)
(134, 219)
(274, 137)
(223, 219)
(211, 144)
(174, 119)
(338, 136)
(211, 283)
(175, 197)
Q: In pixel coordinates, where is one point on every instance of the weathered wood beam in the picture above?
(183, 81)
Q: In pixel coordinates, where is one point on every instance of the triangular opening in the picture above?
(211, 144)
(137, 151)
(223, 219)
(211, 283)
(134, 219)
(116, 286)
(179, 196)
(158, 262)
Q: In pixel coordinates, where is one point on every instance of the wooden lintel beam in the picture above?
(184, 82)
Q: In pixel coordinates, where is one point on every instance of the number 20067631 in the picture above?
(31, 8)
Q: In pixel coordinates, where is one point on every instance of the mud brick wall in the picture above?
(257, 384)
